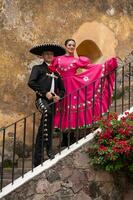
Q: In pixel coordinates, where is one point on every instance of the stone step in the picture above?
(27, 163)
(8, 174)
(6, 182)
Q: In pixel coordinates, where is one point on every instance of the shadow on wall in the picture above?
(89, 49)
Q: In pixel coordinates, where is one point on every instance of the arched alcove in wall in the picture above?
(95, 40)
(89, 49)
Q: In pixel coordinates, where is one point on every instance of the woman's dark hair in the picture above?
(68, 40)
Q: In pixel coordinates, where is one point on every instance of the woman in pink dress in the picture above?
(88, 96)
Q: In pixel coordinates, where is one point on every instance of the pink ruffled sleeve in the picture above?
(111, 64)
(83, 62)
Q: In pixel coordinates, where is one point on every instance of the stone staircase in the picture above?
(7, 171)
(7, 174)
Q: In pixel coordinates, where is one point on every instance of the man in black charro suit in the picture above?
(49, 88)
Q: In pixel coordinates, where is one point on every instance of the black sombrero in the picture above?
(56, 49)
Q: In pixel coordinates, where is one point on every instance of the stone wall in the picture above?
(108, 23)
(73, 178)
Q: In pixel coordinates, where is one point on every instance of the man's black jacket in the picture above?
(40, 81)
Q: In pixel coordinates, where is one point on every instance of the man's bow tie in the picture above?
(52, 75)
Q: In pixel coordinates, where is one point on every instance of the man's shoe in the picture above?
(38, 163)
(64, 145)
(50, 155)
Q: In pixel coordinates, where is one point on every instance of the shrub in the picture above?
(112, 148)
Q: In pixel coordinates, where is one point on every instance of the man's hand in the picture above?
(56, 98)
(49, 95)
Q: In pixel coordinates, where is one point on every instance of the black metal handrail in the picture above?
(118, 99)
(120, 67)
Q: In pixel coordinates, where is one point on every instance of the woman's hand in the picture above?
(56, 98)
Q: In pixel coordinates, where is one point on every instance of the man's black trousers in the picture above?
(44, 135)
